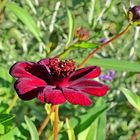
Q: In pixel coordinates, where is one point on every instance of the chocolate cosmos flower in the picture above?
(54, 81)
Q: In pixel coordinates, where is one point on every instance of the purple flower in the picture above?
(110, 75)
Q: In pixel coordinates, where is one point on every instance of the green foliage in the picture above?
(96, 129)
(119, 65)
(132, 98)
(4, 118)
(71, 26)
(26, 36)
(27, 19)
(32, 129)
(70, 130)
(87, 119)
(85, 45)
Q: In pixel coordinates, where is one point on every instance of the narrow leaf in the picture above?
(70, 130)
(119, 65)
(71, 26)
(1, 129)
(91, 11)
(32, 129)
(91, 116)
(97, 128)
(92, 132)
(85, 45)
(11, 135)
(4, 118)
(101, 134)
(132, 98)
(26, 18)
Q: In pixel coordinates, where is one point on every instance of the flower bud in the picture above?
(82, 34)
(134, 15)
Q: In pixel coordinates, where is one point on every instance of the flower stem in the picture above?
(45, 122)
(12, 103)
(56, 118)
(67, 49)
(104, 45)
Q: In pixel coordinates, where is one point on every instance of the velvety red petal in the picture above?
(44, 62)
(90, 86)
(28, 88)
(76, 97)
(31, 94)
(29, 69)
(52, 95)
(20, 69)
(88, 72)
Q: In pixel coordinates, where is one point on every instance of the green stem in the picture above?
(67, 49)
(104, 45)
(12, 103)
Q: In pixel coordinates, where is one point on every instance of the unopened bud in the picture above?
(82, 34)
(134, 15)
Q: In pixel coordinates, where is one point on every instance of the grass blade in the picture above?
(71, 26)
(132, 98)
(119, 65)
(27, 19)
(32, 129)
(70, 130)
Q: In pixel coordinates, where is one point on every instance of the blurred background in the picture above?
(34, 29)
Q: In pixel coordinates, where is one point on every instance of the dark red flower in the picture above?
(54, 81)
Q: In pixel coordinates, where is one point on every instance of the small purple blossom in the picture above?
(103, 40)
(109, 76)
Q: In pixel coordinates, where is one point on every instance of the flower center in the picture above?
(60, 70)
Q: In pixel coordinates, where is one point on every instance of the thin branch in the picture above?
(45, 122)
(56, 118)
(12, 103)
(104, 45)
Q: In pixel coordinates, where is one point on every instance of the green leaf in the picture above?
(92, 131)
(1, 129)
(132, 98)
(13, 135)
(85, 135)
(5, 118)
(31, 6)
(91, 11)
(87, 119)
(71, 26)
(85, 45)
(95, 130)
(119, 65)
(27, 19)
(32, 129)
(101, 133)
(70, 130)
(4, 74)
